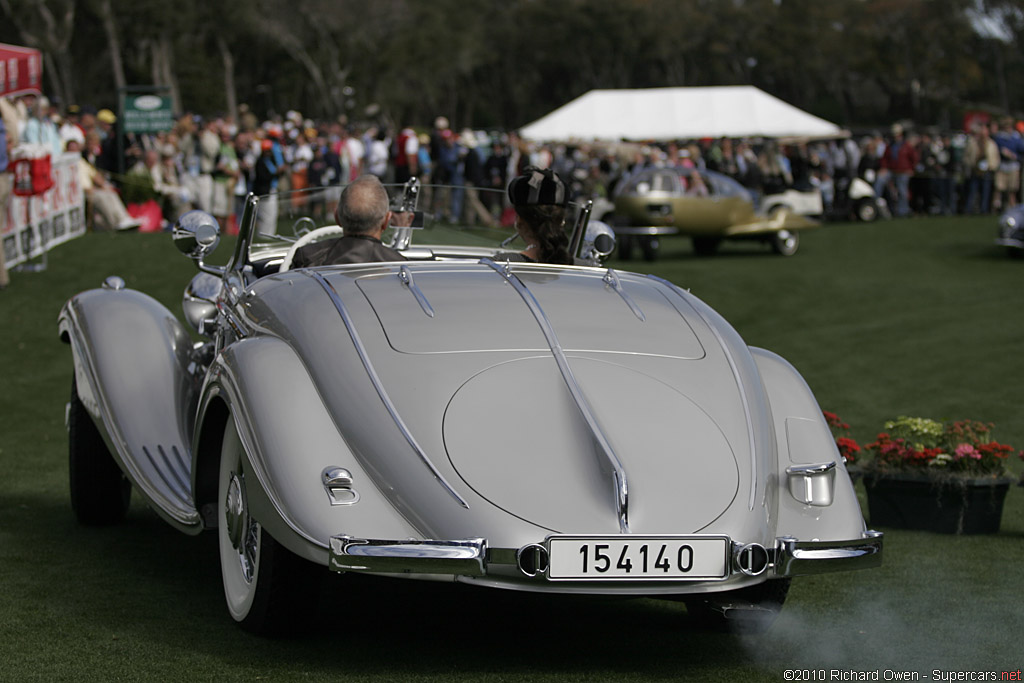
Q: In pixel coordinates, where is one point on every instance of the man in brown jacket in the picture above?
(363, 214)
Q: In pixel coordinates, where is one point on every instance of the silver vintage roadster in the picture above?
(455, 417)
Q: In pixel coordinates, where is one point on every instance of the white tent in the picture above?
(678, 114)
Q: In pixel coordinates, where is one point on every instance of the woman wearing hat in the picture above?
(539, 198)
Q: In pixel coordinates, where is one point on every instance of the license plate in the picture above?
(676, 558)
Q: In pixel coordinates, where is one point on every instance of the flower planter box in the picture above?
(950, 506)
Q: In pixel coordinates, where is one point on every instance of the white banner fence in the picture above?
(38, 223)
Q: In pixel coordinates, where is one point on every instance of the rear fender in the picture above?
(289, 439)
(804, 439)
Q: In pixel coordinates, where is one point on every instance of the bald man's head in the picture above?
(364, 206)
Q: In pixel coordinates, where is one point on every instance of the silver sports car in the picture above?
(454, 416)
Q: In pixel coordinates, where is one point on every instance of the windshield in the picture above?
(452, 221)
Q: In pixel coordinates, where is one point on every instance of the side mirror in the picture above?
(196, 234)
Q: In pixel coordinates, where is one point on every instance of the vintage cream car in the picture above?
(708, 207)
(454, 417)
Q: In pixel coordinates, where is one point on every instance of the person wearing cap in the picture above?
(364, 215)
(539, 198)
(108, 159)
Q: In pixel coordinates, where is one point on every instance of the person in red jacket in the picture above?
(900, 160)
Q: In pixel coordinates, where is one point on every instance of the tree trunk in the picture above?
(110, 28)
(230, 95)
(163, 70)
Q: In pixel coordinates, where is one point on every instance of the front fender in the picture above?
(131, 359)
(289, 439)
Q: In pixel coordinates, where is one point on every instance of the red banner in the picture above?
(21, 70)
(38, 223)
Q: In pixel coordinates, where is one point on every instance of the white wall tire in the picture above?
(268, 589)
(238, 535)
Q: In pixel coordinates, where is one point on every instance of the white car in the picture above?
(456, 417)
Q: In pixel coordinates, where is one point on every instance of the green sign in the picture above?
(147, 113)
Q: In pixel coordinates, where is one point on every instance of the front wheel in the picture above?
(100, 493)
(785, 242)
(866, 210)
(624, 246)
(649, 246)
(267, 588)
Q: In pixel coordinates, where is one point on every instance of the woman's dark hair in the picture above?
(547, 225)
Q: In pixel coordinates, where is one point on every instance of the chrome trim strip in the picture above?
(618, 472)
(364, 356)
(798, 558)
(170, 473)
(465, 557)
(405, 275)
(611, 278)
(739, 384)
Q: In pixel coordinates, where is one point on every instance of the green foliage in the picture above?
(137, 188)
(921, 432)
(506, 62)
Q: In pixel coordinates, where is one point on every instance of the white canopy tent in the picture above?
(678, 114)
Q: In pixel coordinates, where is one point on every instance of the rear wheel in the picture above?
(706, 246)
(267, 588)
(744, 611)
(100, 493)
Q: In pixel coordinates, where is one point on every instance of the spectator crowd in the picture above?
(212, 163)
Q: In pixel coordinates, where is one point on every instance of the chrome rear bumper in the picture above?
(797, 558)
(463, 557)
(472, 557)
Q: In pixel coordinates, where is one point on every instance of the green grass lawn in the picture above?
(919, 317)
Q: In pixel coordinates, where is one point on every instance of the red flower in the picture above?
(847, 448)
(994, 449)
